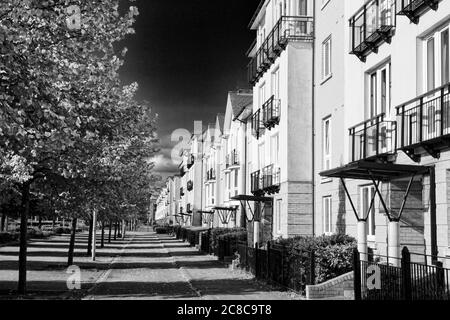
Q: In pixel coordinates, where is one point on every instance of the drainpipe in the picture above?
(433, 223)
(362, 240)
(244, 173)
(313, 124)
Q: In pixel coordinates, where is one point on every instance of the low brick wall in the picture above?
(337, 288)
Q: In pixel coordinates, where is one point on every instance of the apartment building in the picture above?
(391, 158)
(280, 144)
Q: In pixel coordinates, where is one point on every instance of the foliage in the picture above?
(7, 237)
(216, 232)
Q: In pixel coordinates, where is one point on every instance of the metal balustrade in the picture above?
(371, 26)
(288, 28)
(413, 9)
(373, 138)
(271, 112)
(256, 182)
(271, 179)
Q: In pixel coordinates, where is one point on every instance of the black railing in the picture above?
(372, 138)
(232, 159)
(285, 30)
(190, 185)
(425, 118)
(404, 280)
(210, 175)
(271, 112)
(190, 162)
(413, 9)
(258, 127)
(255, 182)
(371, 26)
(271, 179)
(275, 265)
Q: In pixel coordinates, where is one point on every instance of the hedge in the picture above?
(215, 233)
(333, 256)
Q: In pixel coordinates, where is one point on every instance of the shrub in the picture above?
(62, 230)
(161, 230)
(333, 257)
(6, 237)
(215, 233)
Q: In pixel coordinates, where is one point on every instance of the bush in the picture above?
(62, 230)
(333, 257)
(161, 230)
(6, 237)
(215, 233)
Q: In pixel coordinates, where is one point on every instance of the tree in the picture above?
(58, 91)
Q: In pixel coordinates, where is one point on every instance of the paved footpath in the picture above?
(161, 267)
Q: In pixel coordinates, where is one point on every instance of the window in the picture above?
(277, 220)
(261, 160)
(436, 61)
(326, 59)
(327, 221)
(262, 94)
(430, 65)
(445, 57)
(327, 144)
(274, 149)
(302, 7)
(379, 93)
(366, 199)
(276, 83)
(212, 186)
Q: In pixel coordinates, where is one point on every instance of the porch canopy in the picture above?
(256, 216)
(225, 213)
(207, 215)
(377, 173)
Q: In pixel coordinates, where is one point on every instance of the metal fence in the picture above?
(405, 280)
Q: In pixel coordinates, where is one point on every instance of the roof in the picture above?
(365, 170)
(239, 100)
(221, 119)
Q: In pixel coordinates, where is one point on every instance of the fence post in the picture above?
(312, 268)
(357, 274)
(268, 275)
(440, 280)
(256, 260)
(406, 274)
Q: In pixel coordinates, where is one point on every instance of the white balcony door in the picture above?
(366, 198)
(436, 73)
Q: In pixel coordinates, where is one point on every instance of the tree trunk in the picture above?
(124, 226)
(103, 235)
(22, 286)
(94, 235)
(89, 245)
(40, 222)
(72, 242)
(110, 230)
(3, 222)
(115, 230)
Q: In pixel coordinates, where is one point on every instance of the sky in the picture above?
(186, 55)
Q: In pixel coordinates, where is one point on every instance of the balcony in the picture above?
(190, 161)
(258, 127)
(374, 139)
(285, 30)
(256, 183)
(413, 9)
(188, 208)
(271, 113)
(425, 124)
(210, 175)
(190, 185)
(371, 26)
(182, 172)
(271, 179)
(232, 160)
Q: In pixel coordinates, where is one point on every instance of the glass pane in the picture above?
(383, 91)
(373, 95)
(430, 65)
(303, 8)
(444, 57)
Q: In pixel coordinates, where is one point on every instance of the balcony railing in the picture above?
(258, 127)
(232, 159)
(413, 9)
(285, 30)
(371, 26)
(425, 120)
(210, 175)
(190, 185)
(256, 183)
(373, 138)
(271, 179)
(271, 112)
(190, 161)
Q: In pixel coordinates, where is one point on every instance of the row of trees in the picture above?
(71, 134)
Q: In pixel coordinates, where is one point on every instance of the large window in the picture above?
(327, 216)
(380, 92)
(367, 193)
(327, 143)
(326, 58)
(274, 150)
(436, 60)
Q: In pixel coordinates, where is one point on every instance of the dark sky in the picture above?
(186, 55)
